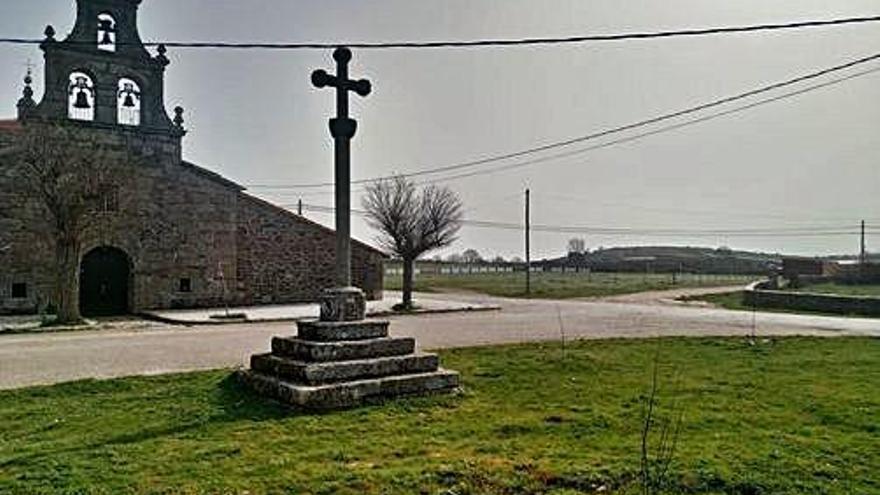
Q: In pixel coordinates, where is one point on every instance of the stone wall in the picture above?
(177, 222)
(172, 220)
(759, 297)
(286, 258)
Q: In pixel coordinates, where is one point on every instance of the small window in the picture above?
(19, 291)
(185, 285)
(108, 201)
(106, 33)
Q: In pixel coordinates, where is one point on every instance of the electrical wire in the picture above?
(496, 42)
(661, 130)
(582, 200)
(621, 231)
(596, 135)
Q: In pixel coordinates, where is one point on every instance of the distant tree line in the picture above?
(654, 259)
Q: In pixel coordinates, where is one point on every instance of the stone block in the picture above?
(328, 331)
(350, 394)
(343, 304)
(335, 372)
(306, 350)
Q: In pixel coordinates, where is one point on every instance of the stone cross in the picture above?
(343, 129)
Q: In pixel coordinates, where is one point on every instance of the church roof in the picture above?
(212, 176)
(10, 126)
(311, 223)
(8, 131)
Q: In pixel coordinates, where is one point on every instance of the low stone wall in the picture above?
(759, 295)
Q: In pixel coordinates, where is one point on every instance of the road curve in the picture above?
(27, 360)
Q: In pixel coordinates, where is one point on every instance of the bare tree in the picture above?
(64, 175)
(657, 454)
(471, 256)
(577, 246)
(412, 223)
(455, 258)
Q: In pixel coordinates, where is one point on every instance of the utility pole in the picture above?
(863, 255)
(863, 258)
(528, 243)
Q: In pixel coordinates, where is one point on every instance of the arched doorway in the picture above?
(104, 282)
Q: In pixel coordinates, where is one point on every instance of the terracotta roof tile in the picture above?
(10, 126)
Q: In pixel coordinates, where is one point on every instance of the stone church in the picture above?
(172, 234)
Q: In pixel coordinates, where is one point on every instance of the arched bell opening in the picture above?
(106, 33)
(81, 97)
(128, 103)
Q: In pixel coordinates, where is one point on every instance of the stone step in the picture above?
(335, 372)
(349, 350)
(350, 394)
(325, 331)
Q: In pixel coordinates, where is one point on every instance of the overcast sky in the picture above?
(810, 161)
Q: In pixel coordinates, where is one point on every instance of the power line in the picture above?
(661, 130)
(628, 139)
(600, 134)
(618, 231)
(582, 200)
(573, 199)
(498, 42)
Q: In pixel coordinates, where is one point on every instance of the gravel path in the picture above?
(43, 359)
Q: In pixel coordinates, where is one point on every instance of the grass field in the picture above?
(727, 300)
(782, 417)
(564, 285)
(842, 289)
(735, 301)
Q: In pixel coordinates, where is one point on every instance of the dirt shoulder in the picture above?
(670, 296)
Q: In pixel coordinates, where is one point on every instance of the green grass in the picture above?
(564, 285)
(727, 300)
(842, 289)
(782, 417)
(735, 301)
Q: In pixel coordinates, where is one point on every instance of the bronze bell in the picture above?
(82, 100)
(128, 102)
(106, 27)
(106, 39)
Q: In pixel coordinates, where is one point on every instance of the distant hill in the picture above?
(669, 259)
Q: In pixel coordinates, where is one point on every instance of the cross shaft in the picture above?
(343, 129)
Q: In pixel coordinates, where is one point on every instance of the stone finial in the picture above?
(26, 103)
(178, 117)
(161, 58)
(50, 37)
(28, 80)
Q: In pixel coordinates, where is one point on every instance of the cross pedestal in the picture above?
(343, 304)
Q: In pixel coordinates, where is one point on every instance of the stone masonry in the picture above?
(190, 237)
(333, 365)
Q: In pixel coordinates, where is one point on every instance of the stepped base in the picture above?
(341, 364)
(351, 394)
(349, 350)
(327, 331)
(311, 373)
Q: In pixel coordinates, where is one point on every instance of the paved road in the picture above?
(51, 358)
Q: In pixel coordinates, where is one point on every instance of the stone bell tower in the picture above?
(102, 77)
